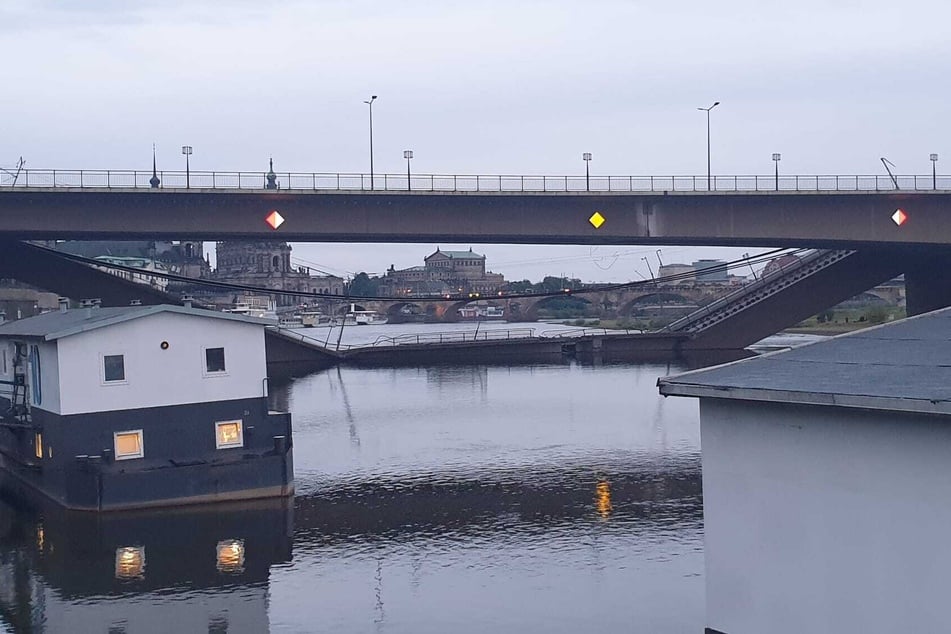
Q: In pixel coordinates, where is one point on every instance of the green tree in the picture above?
(364, 286)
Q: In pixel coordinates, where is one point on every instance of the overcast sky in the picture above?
(479, 88)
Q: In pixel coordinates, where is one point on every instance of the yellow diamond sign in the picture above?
(596, 220)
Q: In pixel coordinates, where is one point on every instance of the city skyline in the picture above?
(498, 88)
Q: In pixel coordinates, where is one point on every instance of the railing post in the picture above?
(54, 178)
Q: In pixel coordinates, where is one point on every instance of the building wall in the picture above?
(824, 519)
(156, 377)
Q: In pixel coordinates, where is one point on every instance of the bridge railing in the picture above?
(289, 181)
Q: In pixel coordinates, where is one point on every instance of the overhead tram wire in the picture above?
(726, 266)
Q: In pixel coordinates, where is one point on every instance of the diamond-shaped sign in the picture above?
(274, 219)
(899, 217)
(596, 220)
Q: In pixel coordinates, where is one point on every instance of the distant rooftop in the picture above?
(901, 366)
(459, 254)
(58, 324)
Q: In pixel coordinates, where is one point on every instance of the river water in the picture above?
(537, 498)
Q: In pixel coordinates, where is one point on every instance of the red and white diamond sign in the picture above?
(899, 217)
(274, 219)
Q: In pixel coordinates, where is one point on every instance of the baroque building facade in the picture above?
(267, 264)
(443, 272)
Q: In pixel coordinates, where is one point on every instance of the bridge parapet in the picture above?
(462, 183)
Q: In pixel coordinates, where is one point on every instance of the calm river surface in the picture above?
(537, 498)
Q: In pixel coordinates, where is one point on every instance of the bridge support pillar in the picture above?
(927, 283)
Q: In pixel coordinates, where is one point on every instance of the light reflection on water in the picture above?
(551, 498)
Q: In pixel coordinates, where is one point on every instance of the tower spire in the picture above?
(154, 181)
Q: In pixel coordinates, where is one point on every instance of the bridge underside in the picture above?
(38, 267)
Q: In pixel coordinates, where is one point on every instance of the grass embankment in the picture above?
(840, 320)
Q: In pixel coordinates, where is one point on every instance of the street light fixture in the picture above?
(187, 151)
(408, 155)
(649, 269)
(587, 174)
(934, 171)
(707, 110)
(776, 158)
(369, 102)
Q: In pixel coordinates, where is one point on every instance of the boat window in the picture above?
(113, 366)
(229, 434)
(4, 352)
(38, 445)
(128, 444)
(214, 359)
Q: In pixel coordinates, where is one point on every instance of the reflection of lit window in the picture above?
(229, 434)
(38, 445)
(130, 562)
(603, 498)
(40, 537)
(231, 556)
(128, 444)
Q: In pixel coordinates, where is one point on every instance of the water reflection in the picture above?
(140, 572)
(550, 498)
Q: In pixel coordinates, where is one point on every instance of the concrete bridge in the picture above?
(800, 211)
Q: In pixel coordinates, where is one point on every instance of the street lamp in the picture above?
(776, 158)
(187, 151)
(707, 110)
(934, 171)
(649, 269)
(587, 174)
(369, 102)
(408, 154)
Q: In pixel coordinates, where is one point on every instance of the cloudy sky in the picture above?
(517, 87)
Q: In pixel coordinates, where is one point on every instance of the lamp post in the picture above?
(369, 102)
(776, 158)
(408, 155)
(707, 110)
(587, 174)
(187, 151)
(934, 171)
(649, 269)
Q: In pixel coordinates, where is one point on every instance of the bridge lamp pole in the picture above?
(408, 155)
(776, 158)
(587, 173)
(369, 102)
(187, 151)
(934, 171)
(707, 110)
(649, 269)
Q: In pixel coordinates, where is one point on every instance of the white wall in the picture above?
(156, 377)
(825, 519)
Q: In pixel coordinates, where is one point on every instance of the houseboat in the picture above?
(140, 406)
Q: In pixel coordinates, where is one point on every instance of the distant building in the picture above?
(267, 264)
(711, 272)
(684, 274)
(443, 272)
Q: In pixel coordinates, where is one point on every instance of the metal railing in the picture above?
(462, 183)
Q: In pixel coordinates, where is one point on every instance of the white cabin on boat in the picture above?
(826, 475)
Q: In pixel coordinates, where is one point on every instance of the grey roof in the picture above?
(902, 366)
(458, 254)
(59, 324)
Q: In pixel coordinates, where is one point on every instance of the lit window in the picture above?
(214, 359)
(229, 434)
(128, 444)
(38, 445)
(113, 366)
